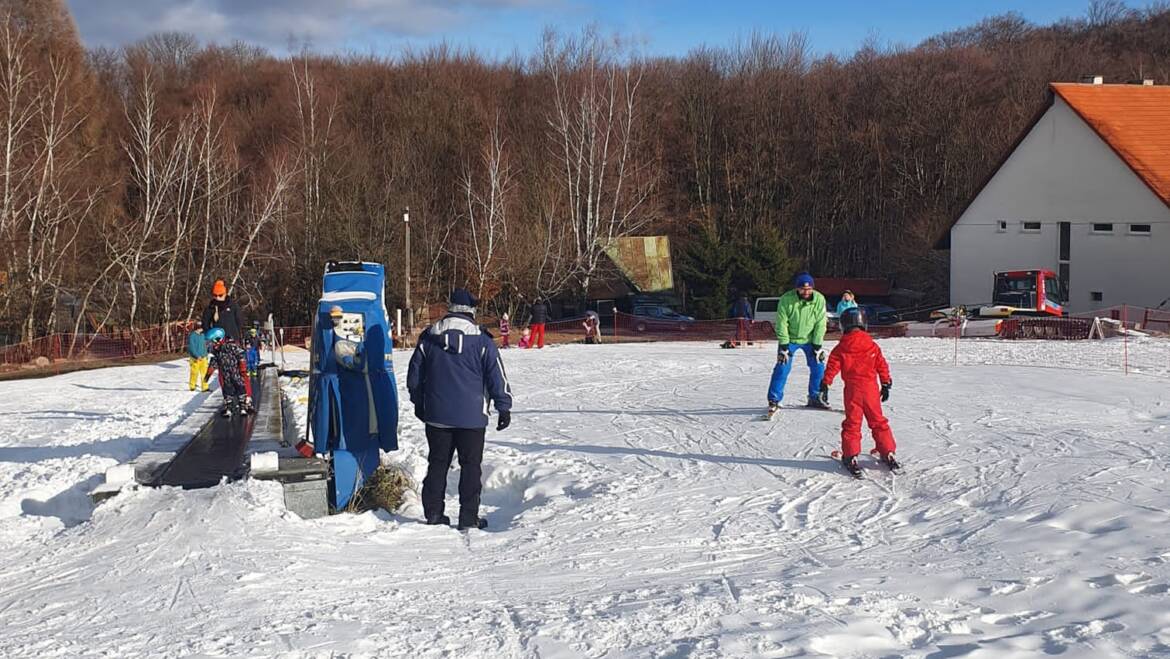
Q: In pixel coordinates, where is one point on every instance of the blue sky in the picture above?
(498, 27)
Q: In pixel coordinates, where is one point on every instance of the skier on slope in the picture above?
(800, 325)
(862, 366)
(228, 358)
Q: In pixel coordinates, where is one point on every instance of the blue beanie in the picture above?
(802, 279)
(461, 301)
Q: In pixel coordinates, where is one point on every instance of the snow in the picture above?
(638, 507)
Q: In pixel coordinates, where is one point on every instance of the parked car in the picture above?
(875, 314)
(658, 318)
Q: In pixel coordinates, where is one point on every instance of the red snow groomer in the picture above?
(1025, 293)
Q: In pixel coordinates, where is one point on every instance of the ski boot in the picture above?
(773, 408)
(479, 523)
(438, 520)
(249, 408)
(816, 403)
(850, 464)
(891, 462)
(227, 410)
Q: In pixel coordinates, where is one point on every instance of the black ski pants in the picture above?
(444, 443)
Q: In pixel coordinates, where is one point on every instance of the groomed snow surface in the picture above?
(639, 507)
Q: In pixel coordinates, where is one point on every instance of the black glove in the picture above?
(821, 356)
(505, 420)
(886, 390)
(824, 393)
(782, 354)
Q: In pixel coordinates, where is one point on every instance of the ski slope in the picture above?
(639, 507)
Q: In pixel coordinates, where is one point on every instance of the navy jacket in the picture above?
(539, 313)
(742, 309)
(454, 373)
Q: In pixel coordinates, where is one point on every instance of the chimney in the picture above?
(1148, 82)
(1093, 80)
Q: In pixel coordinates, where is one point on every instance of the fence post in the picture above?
(1125, 339)
(615, 325)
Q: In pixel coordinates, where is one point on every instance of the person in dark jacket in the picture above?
(539, 318)
(742, 312)
(455, 372)
(221, 312)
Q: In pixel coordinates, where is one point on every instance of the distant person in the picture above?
(454, 373)
(742, 312)
(525, 339)
(848, 301)
(505, 330)
(862, 366)
(592, 326)
(197, 356)
(800, 325)
(539, 318)
(253, 351)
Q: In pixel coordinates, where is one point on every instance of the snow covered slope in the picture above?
(640, 507)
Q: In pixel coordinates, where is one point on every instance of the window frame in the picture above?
(1096, 231)
(1025, 226)
(1133, 231)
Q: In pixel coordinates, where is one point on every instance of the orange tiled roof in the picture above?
(1132, 119)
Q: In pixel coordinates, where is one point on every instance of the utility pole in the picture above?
(409, 307)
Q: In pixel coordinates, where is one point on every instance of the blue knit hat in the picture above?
(461, 301)
(802, 279)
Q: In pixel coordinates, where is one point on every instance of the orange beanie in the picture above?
(219, 288)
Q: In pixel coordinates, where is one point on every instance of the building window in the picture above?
(1102, 228)
(1029, 227)
(1097, 296)
(1001, 226)
(1139, 229)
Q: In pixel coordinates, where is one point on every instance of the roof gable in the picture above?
(1134, 120)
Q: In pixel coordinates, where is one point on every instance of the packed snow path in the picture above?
(640, 507)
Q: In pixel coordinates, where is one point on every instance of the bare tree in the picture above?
(154, 171)
(486, 199)
(594, 127)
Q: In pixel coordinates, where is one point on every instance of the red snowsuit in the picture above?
(860, 362)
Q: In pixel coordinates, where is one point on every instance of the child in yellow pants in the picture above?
(197, 356)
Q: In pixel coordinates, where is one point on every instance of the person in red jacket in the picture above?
(862, 366)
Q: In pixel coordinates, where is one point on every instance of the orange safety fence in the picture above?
(85, 347)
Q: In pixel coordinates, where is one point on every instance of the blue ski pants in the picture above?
(816, 371)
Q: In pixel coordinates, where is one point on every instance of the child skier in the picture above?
(505, 329)
(197, 355)
(253, 352)
(861, 364)
(525, 339)
(592, 326)
(228, 358)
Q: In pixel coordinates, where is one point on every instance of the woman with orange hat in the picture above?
(223, 313)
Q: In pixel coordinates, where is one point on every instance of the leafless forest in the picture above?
(131, 179)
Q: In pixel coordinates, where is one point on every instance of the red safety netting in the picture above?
(66, 348)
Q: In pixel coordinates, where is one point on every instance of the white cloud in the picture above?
(326, 24)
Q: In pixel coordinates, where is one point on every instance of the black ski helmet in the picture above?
(853, 318)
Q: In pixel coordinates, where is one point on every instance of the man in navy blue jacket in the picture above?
(454, 373)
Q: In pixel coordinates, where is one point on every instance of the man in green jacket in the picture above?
(800, 325)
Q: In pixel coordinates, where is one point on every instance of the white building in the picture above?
(1085, 192)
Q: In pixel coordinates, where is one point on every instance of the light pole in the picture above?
(409, 307)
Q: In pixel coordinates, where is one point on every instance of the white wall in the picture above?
(1063, 172)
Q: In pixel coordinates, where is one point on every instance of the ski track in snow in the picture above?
(639, 506)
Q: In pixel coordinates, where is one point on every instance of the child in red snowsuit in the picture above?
(861, 364)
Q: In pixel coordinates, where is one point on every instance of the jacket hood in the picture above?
(856, 342)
